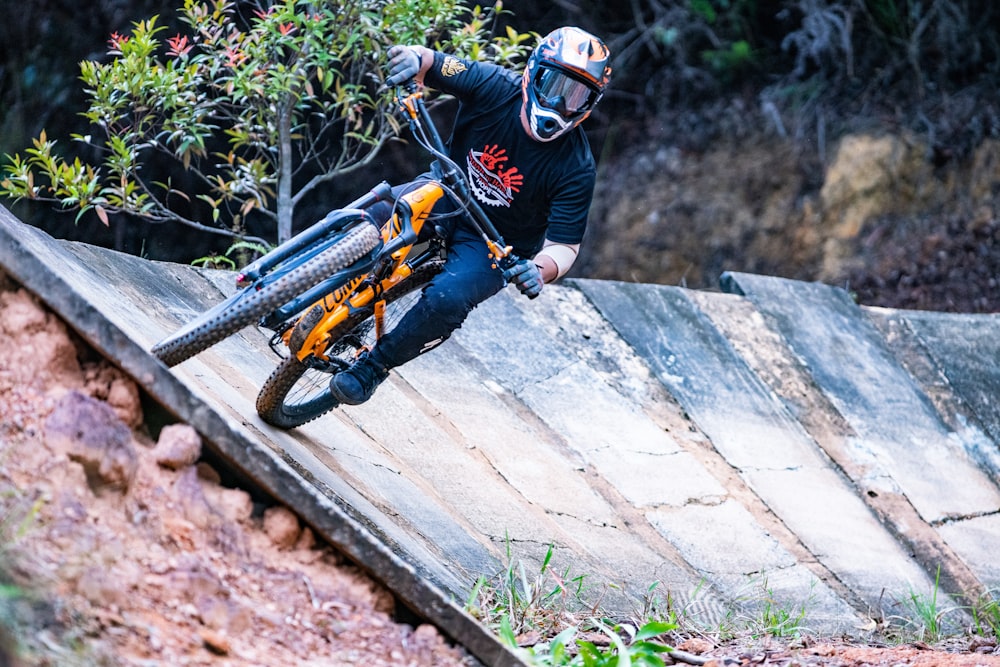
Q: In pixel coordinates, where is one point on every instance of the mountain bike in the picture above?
(330, 292)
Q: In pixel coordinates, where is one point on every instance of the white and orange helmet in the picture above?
(565, 76)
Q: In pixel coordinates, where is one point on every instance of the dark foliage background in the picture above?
(806, 70)
(41, 45)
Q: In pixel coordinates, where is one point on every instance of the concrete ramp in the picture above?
(772, 444)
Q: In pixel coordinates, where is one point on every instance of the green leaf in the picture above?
(654, 629)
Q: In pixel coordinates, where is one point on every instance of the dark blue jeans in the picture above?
(467, 279)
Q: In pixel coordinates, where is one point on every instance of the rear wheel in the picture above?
(249, 305)
(298, 392)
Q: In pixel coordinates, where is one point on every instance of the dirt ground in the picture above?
(837, 654)
(878, 217)
(120, 549)
(116, 549)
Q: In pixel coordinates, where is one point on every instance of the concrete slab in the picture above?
(976, 540)
(900, 434)
(966, 348)
(953, 358)
(690, 357)
(517, 421)
(822, 505)
(726, 535)
(640, 460)
(756, 434)
(630, 426)
(841, 532)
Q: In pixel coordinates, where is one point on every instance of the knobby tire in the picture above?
(296, 393)
(249, 305)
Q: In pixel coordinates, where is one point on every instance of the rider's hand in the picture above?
(526, 276)
(404, 64)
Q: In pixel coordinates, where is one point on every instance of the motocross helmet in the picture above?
(565, 77)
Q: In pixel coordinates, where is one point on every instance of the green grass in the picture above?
(548, 619)
(986, 615)
(924, 616)
(776, 619)
(555, 618)
(926, 613)
(527, 604)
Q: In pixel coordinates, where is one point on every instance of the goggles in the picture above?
(558, 90)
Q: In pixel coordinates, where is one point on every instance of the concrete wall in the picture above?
(768, 443)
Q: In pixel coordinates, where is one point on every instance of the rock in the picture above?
(216, 642)
(232, 504)
(41, 353)
(427, 635)
(101, 587)
(190, 497)
(852, 210)
(21, 314)
(869, 177)
(179, 446)
(90, 433)
(107, 382)
(696, 645)
(180, 532)
(221, 614)
(282, 526)
(307, 540)
(123, 397)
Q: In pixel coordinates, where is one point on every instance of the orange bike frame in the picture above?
(341, 302)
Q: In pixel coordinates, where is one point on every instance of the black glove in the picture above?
(527, 276)
(404, 64)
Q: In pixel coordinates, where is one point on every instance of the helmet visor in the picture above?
(560, 91)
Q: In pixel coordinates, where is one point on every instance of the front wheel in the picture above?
(249, 305)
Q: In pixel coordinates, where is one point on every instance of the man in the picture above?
(528, 164)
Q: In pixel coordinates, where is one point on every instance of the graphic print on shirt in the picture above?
(491, 181)
(452, 66)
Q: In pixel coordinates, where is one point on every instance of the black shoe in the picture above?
(356, 385)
